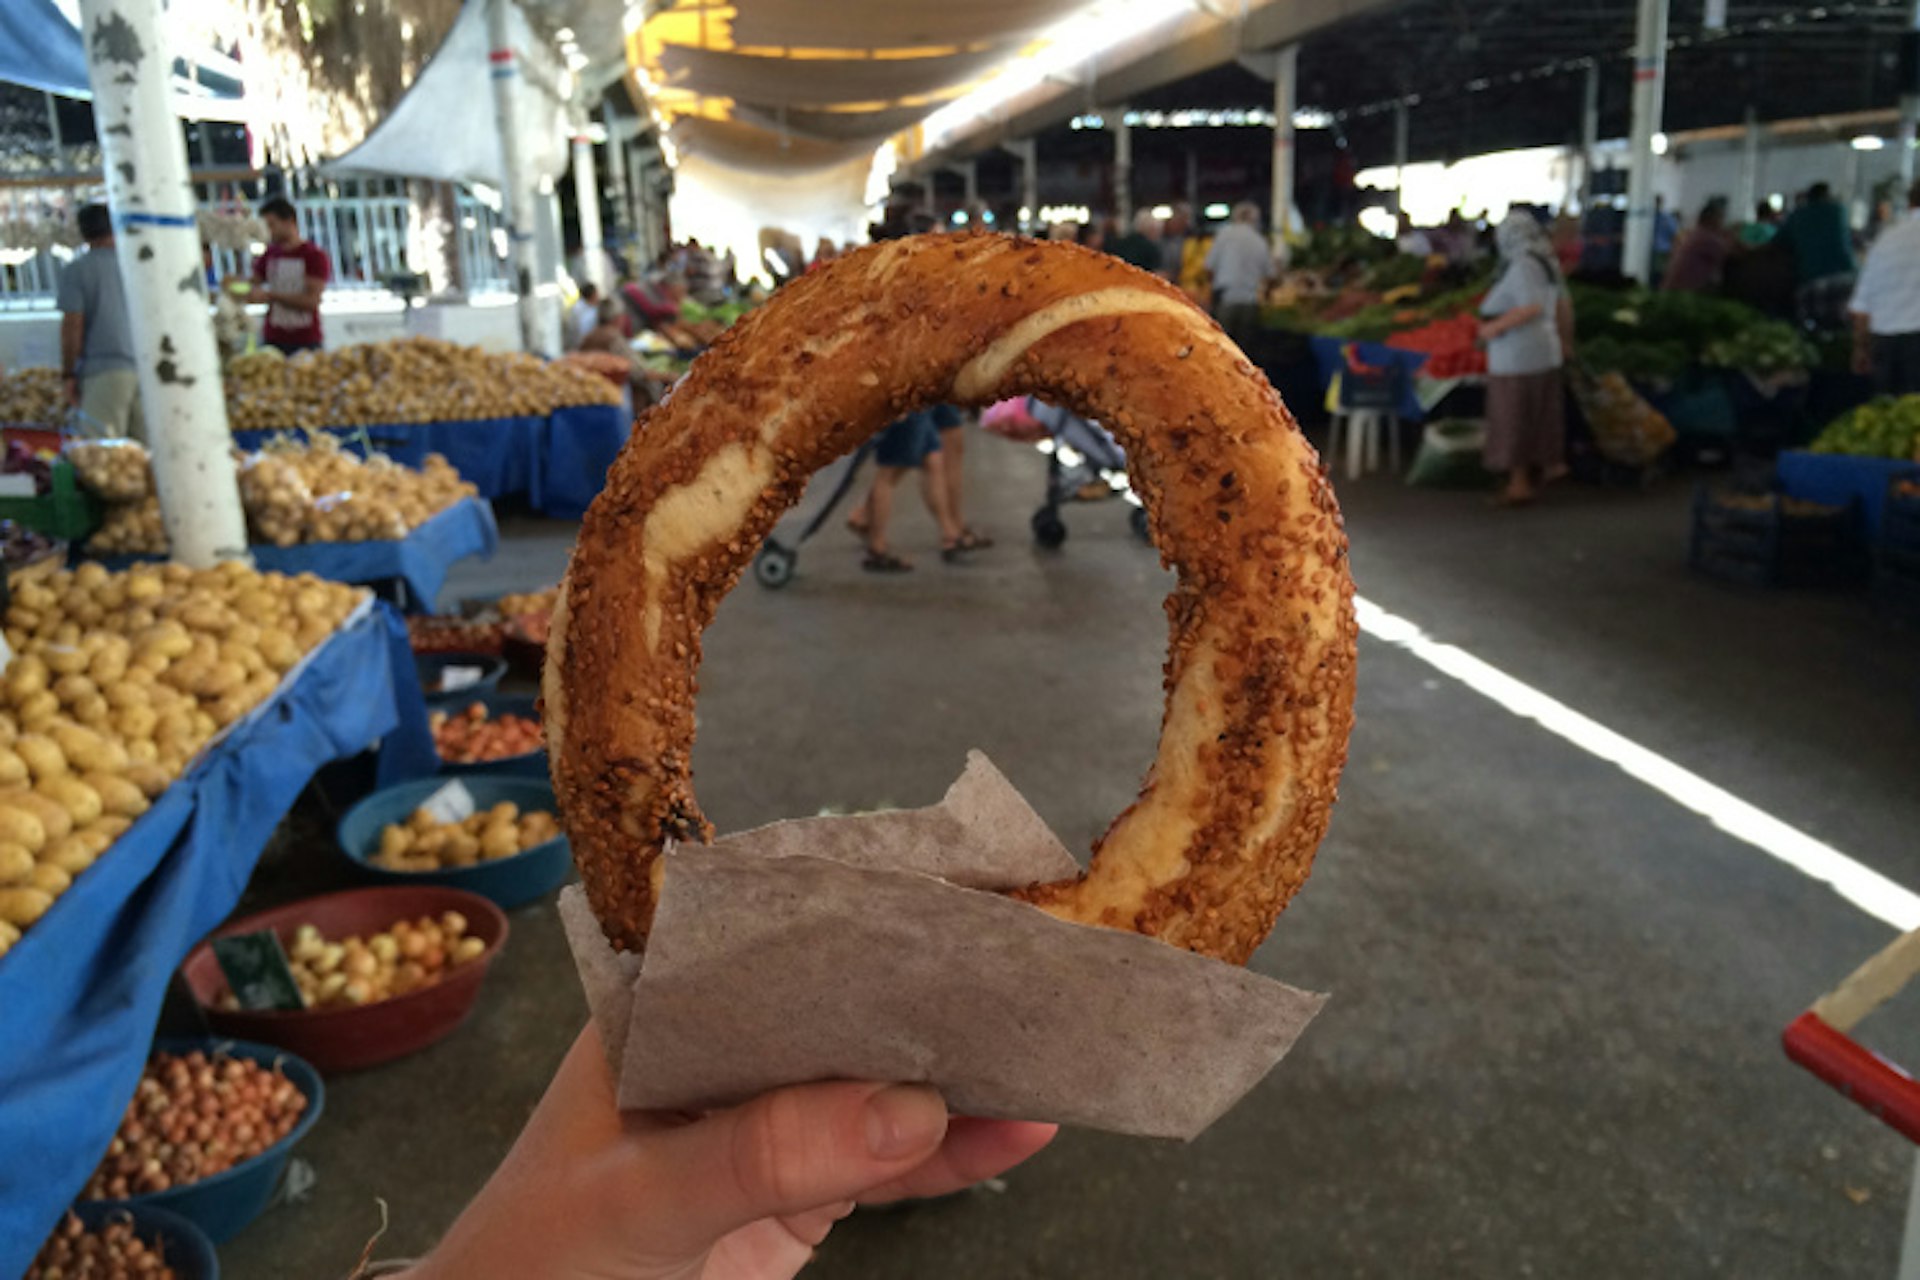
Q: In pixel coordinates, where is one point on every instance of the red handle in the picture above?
(1879, 1086)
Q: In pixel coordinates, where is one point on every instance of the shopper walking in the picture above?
(1822, 243)
(1523, 329)
(1240, 263)
(1174, 233)
(294, 274)
(1886, 307)
(96, 341)
(911, 444)
(584, 317)
(1699, 259)
(1140, 247)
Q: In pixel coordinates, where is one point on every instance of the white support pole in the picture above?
(1402, 129)
(1122, 167)
(516, 200)
(1747, 193)
(157, 242)
(1027, 151)
(1649, 92)
(1909, 109)
(1286, 98)
(59, 141)
(1589, 134)
(616, 173)
(586, 198)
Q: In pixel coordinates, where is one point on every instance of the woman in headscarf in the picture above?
(1522, 326)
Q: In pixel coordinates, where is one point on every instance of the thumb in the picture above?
(789, 1151)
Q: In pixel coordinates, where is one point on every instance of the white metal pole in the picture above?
(586, 197)
(157, 239)
(1286, 97)
(53, 128)
(1909, 111)
(1747, 194)
(1589, 134)
(616, 173)
(1030, 179)
(1122, 167)
(1402, 127)
(516, 199)
(1649, 92)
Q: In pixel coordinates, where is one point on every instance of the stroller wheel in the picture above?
(773, 567)
(1137, 520)
(1049, 530)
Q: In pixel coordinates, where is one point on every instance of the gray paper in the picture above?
(852, 948)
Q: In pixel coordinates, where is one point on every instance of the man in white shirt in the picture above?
(1240, 263)
(1886, 307)
(584, 318)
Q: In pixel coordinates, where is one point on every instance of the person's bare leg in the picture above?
(880, 510)
(933, 487)
(861, 517)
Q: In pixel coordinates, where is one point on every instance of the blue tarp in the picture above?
(1836, 479)
(558, 463)
(421, 559)
(40, 49)
(1326, 354)
(81, 992)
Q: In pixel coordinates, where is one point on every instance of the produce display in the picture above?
(613, 367)
(109, 1252)
(424, 843)
(518, 603)
(293, 493)
(472, 736)
(1657, 336)
(33, 397)
(194, 1115)
(1452, 346)
(21, 546)
(403, 380)
(1765, 348)
(406, 956)
(454, 635)
(1885, 428)
(1242, 510)
(1796, 508)
(699, 324)
(117, 681)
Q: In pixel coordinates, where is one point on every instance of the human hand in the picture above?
(589, 1193)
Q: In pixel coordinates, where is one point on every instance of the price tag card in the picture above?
(451, 803)
(257, 971)
(454, 679)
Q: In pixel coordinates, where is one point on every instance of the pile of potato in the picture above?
(405, 956)
(424, 843)
(403, 380)
(33, 397)
(293, 493)
(117, 681)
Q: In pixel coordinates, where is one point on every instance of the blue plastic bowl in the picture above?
(224, 1203)
(431, 665)
(183, 1246)
(531, 765)
(509, 882)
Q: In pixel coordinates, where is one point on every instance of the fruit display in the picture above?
(518, 603)
(112, 470)
(615, 368)
(192, 1116)
(351, 971)
(33, 397)
(1908, 489)
(1452, 346)
(424, 843)
(110, 1251)
(1885, 428)
(472, 736)
(427, 634)
(117, 681)
(293, 493)
(404, 380)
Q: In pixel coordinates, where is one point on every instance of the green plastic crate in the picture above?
(64, 511)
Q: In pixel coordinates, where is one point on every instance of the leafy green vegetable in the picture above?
(1767, 347)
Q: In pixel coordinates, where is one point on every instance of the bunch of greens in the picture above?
(1766, 347)
(1885, 428)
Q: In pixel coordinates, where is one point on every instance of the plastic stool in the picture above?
(1362, 429)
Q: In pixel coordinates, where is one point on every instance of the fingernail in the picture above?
(904, 1119)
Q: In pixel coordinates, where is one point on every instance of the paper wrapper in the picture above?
(874, 948)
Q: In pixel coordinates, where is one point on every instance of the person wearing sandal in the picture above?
(913, 443)
(953, 454)
(1525, 326)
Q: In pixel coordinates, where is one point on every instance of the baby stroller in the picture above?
(773, 567)
(1084, 462)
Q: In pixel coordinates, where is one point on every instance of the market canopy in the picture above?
(40, 48)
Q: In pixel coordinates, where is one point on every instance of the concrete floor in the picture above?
(1552, 1047)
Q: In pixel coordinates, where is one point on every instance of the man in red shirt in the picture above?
(295, 274)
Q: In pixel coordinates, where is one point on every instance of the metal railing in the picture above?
(363, 225)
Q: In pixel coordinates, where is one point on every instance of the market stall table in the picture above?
(558, 462)
(81, 991)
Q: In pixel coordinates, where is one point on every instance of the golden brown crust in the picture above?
(1260, 667)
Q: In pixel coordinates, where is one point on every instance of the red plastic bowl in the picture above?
(348, 1039)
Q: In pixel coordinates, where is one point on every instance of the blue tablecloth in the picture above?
(81, 992)
(558, 462)
(421, 559)
(1835, 478)
(1326, 355)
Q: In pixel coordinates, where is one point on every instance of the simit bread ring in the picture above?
(1260, 669)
